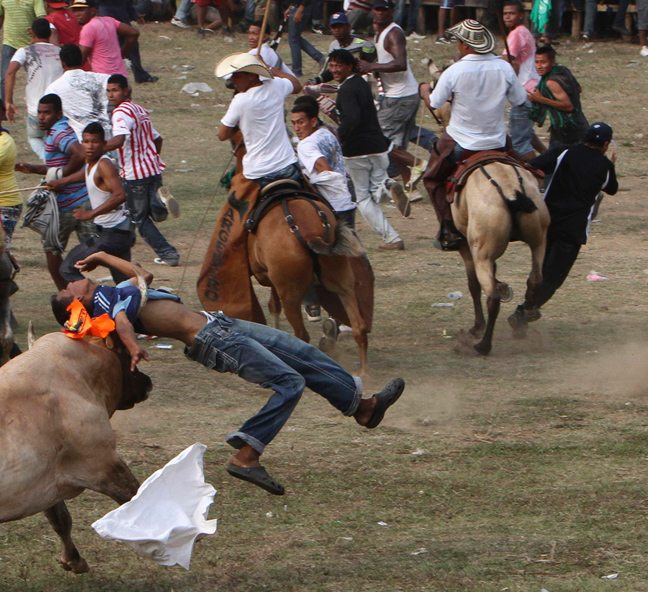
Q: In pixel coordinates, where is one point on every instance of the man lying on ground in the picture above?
(257, 353)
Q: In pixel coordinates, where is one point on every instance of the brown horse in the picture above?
(279, 260)
(490, 215)
(294, 245)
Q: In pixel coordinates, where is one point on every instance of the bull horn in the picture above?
(30, 335)
(143, 288)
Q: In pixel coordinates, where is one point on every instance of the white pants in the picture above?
(368, 174)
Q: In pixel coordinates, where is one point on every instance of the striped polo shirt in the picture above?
(18, 17)
(57, 143)
(138, 156)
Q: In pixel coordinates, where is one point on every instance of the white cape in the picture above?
(168, 513)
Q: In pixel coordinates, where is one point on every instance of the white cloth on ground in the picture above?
(168, 513)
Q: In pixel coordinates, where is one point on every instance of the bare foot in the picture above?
(365, 411)
(246, 457)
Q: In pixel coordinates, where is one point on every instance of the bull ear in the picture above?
(143, 288)
(109, 341)
(30, 335)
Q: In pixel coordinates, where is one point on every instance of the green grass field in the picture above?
(522, 471)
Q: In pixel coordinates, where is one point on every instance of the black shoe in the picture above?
(318, 29)
(622, 29)
(448, 242)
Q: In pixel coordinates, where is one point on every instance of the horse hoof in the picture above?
(505, 291)
(327, 345)
(482, 349)
(477, 332)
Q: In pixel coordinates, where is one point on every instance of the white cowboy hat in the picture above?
(241, 62)
(474, 35)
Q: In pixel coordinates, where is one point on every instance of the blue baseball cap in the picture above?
(598, 133)
(339, 18)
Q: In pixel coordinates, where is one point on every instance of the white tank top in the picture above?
(395, 84)
(99, 197)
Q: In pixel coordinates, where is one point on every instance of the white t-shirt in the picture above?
(331, 184)
(84, 99)
(271, 58)
(479, 86)
(259, 114)
(43, 66)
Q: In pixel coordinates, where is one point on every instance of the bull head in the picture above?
(135, 385)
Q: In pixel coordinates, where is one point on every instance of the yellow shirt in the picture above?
(7, 175)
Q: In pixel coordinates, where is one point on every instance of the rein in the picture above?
(294, 228)
(497, 185)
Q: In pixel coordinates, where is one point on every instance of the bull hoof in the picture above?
(77, 566)
(482, 348)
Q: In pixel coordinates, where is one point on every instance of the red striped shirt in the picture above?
(138, 156)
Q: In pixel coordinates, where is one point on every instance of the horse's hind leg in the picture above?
(61, 522)
(486, 276)
(337, 276)
(274, 306)
(475, 291)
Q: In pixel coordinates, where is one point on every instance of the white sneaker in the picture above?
(644, 51)
(416, 172)
(414, 195)
(180, 24)
(414, 36)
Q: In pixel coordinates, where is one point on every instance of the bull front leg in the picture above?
(61, 522)
(118, 483)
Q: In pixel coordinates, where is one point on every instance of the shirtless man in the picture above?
(257, 353)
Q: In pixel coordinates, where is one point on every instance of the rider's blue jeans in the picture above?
(273, 359)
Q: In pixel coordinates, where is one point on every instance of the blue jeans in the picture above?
(7, 53)
(425, 138)
(183, 11)
(412, 15)
(521, 127)
(292, 171)
(144, 205)
(298, 43)
(113, 241)
(250, 7)
(273, 359)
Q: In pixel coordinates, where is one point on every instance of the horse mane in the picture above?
(346, 244)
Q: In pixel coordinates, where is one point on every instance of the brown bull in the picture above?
(56, 401)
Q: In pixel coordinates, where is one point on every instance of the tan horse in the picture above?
(489, 221)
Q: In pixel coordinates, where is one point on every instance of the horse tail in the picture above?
(346, 244)
(522, 204)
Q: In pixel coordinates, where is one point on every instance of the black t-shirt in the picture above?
(359, 130)
(579, 173)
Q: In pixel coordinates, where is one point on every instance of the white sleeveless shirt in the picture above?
(396, 84)
(99, 197)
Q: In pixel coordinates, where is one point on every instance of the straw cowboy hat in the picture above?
(241, 62)
(474, 35)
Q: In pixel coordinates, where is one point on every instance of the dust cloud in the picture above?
(619, 371)
(426, 405)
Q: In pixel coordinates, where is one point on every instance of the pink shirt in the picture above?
(100, 35)
(522, 46)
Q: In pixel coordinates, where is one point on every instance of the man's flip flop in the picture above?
(384, 400)
(258, 476)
